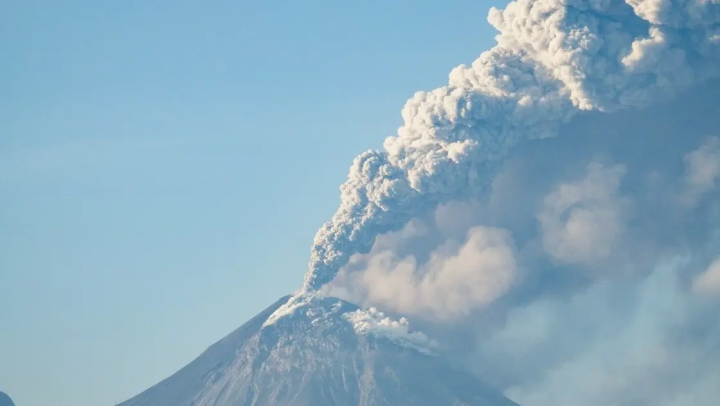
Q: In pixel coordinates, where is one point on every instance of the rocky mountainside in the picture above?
(322, 353)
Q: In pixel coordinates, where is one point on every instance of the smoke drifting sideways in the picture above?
(553, 59)
(590, 274)
(551, 216)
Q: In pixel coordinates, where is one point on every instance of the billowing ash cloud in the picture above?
(614, 279)
(553, 58)
(457, 277)
(581, 267)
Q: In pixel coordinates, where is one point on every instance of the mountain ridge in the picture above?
(319, 354)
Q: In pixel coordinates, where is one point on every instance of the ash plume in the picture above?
(553, 59)
(551, 216)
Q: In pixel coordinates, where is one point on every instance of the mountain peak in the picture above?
(323, 315)
(320, 351)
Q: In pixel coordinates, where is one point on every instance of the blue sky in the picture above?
(164, 167)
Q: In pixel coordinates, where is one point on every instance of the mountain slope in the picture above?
(315, 356)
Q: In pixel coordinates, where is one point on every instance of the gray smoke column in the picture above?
(553, 58)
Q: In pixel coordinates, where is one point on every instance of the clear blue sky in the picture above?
(164, 166)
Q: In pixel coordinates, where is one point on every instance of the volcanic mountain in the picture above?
(322, 352)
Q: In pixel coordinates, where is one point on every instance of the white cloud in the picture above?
(582, 221)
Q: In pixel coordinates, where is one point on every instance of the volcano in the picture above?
(315, 355)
